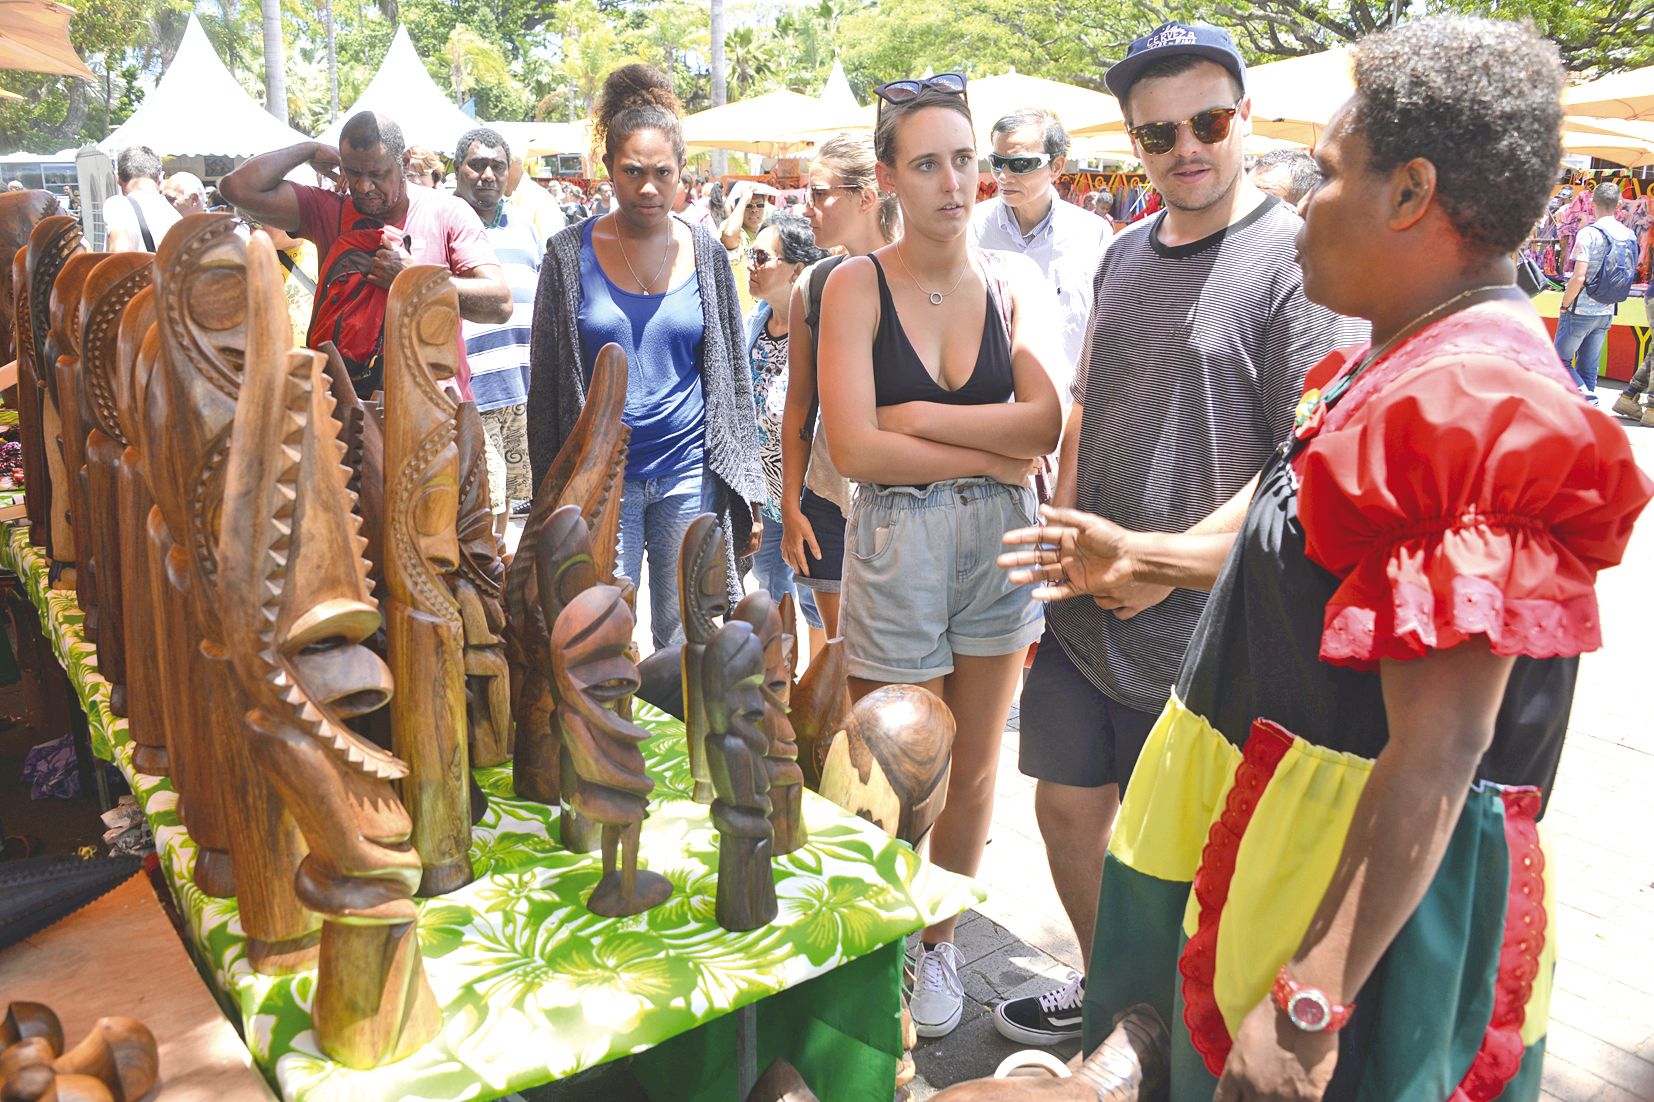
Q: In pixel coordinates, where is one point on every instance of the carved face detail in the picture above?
(759, 610)
(733, 676)
(433, 530)
(592, 636)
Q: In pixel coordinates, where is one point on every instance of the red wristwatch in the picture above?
(1307, 1007)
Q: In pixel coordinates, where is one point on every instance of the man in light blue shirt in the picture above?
(1065, 242)
(1582, 325)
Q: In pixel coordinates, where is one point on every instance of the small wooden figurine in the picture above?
(425, 634)
(479, 587)
(732, 672)
(116, 1062)
(703, 598)
(593, 672)
(890, 763)
(294, 590)
(108, 290)
(781, 754)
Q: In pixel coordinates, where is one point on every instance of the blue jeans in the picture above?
(1579, 341)
(772, 573)
(654, 514)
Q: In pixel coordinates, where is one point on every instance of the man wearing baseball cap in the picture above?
(1194, 360)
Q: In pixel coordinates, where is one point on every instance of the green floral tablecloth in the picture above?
(533, 986)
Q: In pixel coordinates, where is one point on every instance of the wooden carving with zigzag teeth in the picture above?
(293, 586)
(425, 633)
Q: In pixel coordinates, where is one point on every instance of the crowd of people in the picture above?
(1290, 565)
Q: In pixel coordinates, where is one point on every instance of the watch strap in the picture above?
(1308, 1008)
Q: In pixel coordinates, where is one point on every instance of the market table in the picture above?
(535, 988)
(1628, 337)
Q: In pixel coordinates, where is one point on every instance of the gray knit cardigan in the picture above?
(557, 385)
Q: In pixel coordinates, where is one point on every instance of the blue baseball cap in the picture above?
(1171, 40)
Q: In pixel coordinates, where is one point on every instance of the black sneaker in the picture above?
(522, 508)
(1043, 1019)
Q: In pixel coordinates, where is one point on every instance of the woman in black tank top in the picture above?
(937, 403)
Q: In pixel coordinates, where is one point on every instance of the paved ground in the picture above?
(1600, 825)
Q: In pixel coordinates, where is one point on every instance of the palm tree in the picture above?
(275, 62)
(748, 59)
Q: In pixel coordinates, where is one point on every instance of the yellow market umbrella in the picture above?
(1620, 96)
(1080, 109)
(34, 38)
(1632, 152)
(762, 124)
(1295, 99)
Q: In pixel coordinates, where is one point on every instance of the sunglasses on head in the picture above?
(898, 92)
(1021, 165)
(1210, 127)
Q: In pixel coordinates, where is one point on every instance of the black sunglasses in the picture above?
(759, 258)
(898, 92)
(1019, 166)
(1210, 127)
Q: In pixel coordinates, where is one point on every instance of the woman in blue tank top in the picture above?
(938, 401)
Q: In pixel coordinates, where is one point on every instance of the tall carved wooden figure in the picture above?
(593, 672)
(31, 437)
(425, 633)
(479, 587)
(586, 474)
(108, 290)
(201, 323)
(703, 598)
(67, 291)
(781, 752)
(156, 737)
(20, 213)
(294, 591)
(732, 670)
(564, 569)
(53, 241)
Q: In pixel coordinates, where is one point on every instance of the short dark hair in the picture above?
(1480, 99)
(798, 240)
(366, 129)
(137, 161)
(1174, 66)
(1301, 169)
(492, 139)
(1053, 138)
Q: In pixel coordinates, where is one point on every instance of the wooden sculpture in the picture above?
(586, 474)
(25, 1019)
(155, 735)
(70, 495)
(890, 763)
(544, 768)
(108, 290)
(116, 1062)
(593, 672)
(293, 587)
(820, 708)
(51, 243)
(769, 621)
(703, 598)
(425, 634)
(200, 290)
(781, 1083)
(20, 213)
(31, 438)
(732, 694)
(479, 587)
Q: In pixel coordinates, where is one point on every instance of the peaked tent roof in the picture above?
(836, 93)
(404, 90)
(199, 109)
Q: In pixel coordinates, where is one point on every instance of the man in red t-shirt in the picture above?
(421, 226)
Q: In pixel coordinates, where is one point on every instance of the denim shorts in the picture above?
(921, 583)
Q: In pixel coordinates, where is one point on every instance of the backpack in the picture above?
(349, 311)
(1612, 283)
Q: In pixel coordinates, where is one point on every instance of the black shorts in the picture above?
(1072, 732)
(828, 522)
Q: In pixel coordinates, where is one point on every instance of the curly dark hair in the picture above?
(637, 97)
(1480, 99)
(491, 139)
(798, 240)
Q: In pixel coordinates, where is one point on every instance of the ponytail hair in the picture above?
(850, 158)
(637, 97)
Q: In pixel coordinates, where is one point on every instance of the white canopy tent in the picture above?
(199, 109)
(404, 91)
(836, 93)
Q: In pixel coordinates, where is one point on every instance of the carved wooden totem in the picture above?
(160, 738)
(593, 673)
(53, 241)
(118, 1061)
(425, 633)
(108, 290)
(586, 474)
(820, 708)
(890, 763)
(201, 323)
(562, 557)
(781, 753)
(732, 671)
(703, 598)
(20, 213)
(293, 587)
(479, 587)
(64, 341)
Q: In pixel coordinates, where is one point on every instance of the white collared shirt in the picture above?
(1066, 246)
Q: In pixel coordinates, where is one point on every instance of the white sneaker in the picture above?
(1043, 1019)
(938, 997)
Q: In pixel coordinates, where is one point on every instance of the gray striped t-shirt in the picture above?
(1195, 361)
